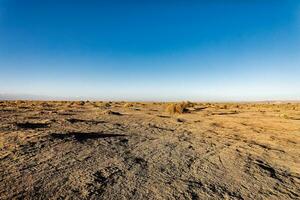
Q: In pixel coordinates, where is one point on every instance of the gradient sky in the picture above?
(151, 50)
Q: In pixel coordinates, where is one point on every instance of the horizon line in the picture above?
(34, 97)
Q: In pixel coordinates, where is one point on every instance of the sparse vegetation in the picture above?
(113, 142)
(179, 108)
(106, 104)
(128, 105)
(80, 103)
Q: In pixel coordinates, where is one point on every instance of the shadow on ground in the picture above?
(83, 136)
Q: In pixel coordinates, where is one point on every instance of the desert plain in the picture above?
(140, 150)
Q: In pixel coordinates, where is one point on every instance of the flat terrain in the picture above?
(118, 150)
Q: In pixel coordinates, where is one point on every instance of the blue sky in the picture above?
(151, 50)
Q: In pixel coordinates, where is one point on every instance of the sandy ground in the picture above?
(114, 150)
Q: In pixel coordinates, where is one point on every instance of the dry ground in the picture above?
(109, 150)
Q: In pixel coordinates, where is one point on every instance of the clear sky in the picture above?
(151, 50)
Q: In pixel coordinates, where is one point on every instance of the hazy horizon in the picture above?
(33, 97)
(150, 50)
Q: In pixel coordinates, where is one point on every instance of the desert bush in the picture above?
(80, 103)
(20, 102)
(285, 116)
(106, 104)
(76, 103)
(178, 108)
(224, 107)
(45, 104)
(294, 108)
(127, 105)
(97, 104)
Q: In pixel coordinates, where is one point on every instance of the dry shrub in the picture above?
(45, 104)
(285, 116)
(71, 104)
(294, 108)
(179, 108)
(76, 103)
(80, 103)
(97, 103)
(18, 102)
(128, 105)
(104, 105)
(224, 107)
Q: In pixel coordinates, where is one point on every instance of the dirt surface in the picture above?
(118, 150)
